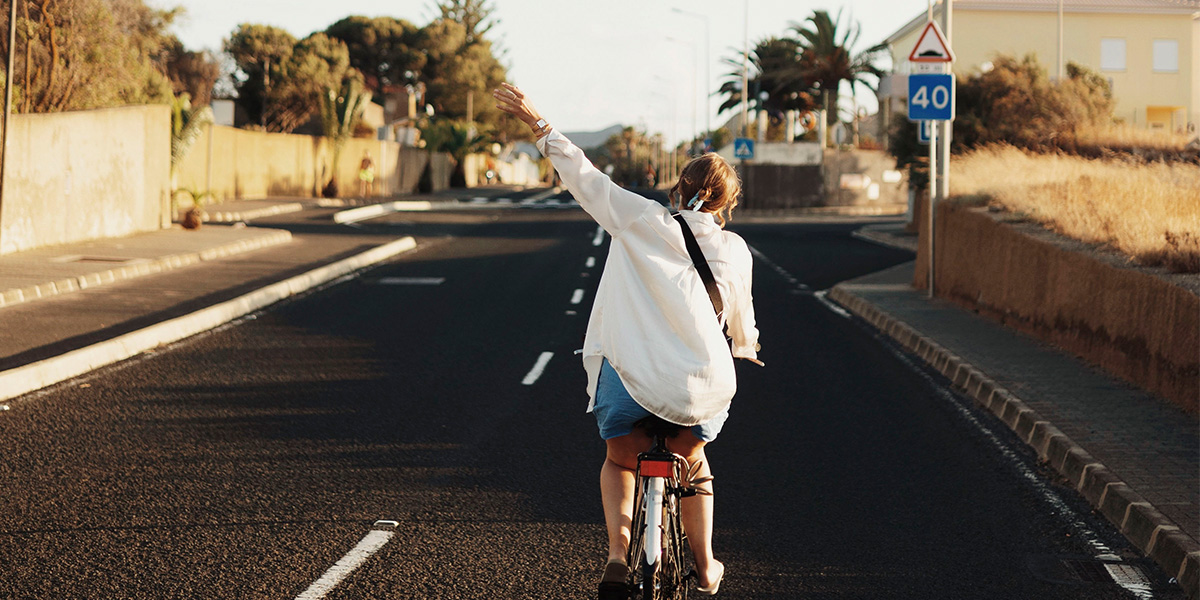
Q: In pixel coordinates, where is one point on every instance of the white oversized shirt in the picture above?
(652, 317)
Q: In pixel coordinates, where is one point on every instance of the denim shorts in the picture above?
(616, 411)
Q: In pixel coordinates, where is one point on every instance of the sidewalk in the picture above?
(82, 306)
(1133, 456)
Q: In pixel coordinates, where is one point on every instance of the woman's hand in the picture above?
(511, 100)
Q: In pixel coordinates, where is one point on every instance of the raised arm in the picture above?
(612, 206)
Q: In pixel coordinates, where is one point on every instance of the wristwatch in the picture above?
(540, 125)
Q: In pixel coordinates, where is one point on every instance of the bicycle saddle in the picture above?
(656, 427)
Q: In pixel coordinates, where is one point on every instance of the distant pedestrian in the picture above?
(366, 175)
(652, 344)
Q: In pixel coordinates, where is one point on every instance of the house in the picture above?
(1148, 49)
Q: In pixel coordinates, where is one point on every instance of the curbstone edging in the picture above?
(146, 267)
(1149, 530)
(34, 376)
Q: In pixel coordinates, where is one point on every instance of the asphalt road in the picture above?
(246, 462)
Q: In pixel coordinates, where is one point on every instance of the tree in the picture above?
(254, 49)
(80, 54)
(828, 58)
(459, 72)
(191, 73)
(474, 15)
(279, 80)
(341, 110)
(778, 69)
(457, 138)
(385, 50)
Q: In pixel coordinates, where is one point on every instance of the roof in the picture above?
(1177, 7)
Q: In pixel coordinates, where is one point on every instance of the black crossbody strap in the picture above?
(706, 274)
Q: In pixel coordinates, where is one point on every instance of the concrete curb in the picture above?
(22, 380)
(877, 210)
(1150, 531)
(361, 213)
(138, 268)
(371, 211)
(885, 239)
(258, 213)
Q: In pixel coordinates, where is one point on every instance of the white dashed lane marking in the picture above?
(577, 297)
(353, 559)
(410, 280)
(599, 239)
(538, 367)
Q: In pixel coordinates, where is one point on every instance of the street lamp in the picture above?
(694, 90)
(707, 66)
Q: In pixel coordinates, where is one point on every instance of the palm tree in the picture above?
(777, 69)
(341, 110)
(829, 59)
(456, 138)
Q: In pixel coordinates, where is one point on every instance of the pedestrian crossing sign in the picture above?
(743, 148)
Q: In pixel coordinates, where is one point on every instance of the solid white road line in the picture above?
(410, 280)
(577, 297)
(21, 380)
(599, 239)
(830, 305)
(537, 369)
(353, 559)
(591, 261)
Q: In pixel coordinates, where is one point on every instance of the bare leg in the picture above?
(696, 512)
(616, 491)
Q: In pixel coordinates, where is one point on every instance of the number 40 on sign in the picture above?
(931, 97)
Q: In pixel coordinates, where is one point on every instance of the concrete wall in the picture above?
(847, 178)
(1136, 325)
(254, 164)
(86, 175)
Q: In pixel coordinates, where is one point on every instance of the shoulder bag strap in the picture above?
(706, 274)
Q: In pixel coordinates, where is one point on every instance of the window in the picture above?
(1166, 56)
(1112, 54)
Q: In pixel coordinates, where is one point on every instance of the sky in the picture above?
(585, 65)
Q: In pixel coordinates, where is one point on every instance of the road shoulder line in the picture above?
(1149, 530)
(24, 379)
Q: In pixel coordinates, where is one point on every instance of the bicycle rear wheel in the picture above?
(664, 576)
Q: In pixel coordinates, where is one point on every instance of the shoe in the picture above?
(711, 590)
(614, 583)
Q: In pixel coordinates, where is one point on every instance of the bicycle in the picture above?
(657, 555)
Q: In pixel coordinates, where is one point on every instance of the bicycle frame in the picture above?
(660, 475)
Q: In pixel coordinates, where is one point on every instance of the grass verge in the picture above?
(1148, 211)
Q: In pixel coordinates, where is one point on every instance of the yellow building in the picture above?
(1148, 49)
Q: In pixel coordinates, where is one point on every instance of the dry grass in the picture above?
(1148, 211)
(1134, 139)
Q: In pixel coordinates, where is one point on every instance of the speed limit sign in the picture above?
(931, 97)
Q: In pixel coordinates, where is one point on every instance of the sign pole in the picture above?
(948, 126)
(933, 164)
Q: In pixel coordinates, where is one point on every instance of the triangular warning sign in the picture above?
(931, 46)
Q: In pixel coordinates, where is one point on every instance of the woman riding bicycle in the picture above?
(653, 346)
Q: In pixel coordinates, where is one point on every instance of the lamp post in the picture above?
(694, 89)
(707, 66)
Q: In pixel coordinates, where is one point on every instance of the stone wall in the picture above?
(1140, 324)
